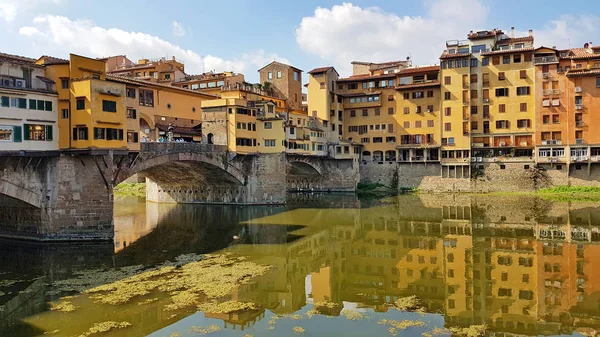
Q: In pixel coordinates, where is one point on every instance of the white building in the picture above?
(28, 106)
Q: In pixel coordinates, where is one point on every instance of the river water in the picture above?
(521, 265)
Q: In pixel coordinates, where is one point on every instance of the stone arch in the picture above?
(305, 162)
(209, 160)
(19, 193)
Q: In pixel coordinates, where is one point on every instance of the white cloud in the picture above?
(178, 29)
(345, 33)
(62, 35)
(10, 8)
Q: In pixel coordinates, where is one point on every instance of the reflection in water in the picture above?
(518, 264)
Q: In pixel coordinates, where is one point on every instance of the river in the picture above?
(521, 265)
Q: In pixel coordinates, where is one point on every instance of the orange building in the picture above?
(211, 82)
(156, 70)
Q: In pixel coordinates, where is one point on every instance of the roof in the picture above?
(583, 72)
(484, 34)
(388, 64)
(45, 79)
(180, 129)
(446, 55)
(365, 77)
(362, 94)
(416, 70)
(516, 39)
(16, 58)
(580, 53)
(507, 51)
(283, 64)
(322, 70)
(128, 80)
(49, 60)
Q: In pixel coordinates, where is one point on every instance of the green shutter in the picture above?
(32, 104)
(48, 105)
(27, 132)
(22, 103)
(5, 101)
(49, 132)
(74, 133)
(17, 134)
(40, 105)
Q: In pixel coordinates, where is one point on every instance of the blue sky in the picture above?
(244, 35)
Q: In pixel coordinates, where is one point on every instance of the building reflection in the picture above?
(520, 265)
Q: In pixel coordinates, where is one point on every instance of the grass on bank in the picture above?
(130, 190)
(559, 193)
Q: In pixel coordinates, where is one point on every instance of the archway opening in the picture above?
(210, 138)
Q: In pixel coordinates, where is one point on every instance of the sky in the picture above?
(244, 35)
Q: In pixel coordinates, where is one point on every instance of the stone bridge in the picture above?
(70, 196)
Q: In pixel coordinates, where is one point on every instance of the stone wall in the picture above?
(322, 175)
(266, 177)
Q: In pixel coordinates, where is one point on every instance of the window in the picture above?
(64, 84)
(555, 119)
(40, 104)
(146, 97)
(517, 58)
(99, 133)
(429, 93)
(430, 123)
(132, 137)
(474, 63)
(523, 74)
(501, 76)
(296, 76)
(130, 92)
(203, 85)
(406, 124)
(521, 91)
(502, 92)
(390, 98)
(10, 133)
(447, 127)
(417, 124)
(109, 106)
(430, 108)
(474, 125)
(502, 124)
(523, 107)
(64, 113)
(447, 111)
(390, 110)
(485, 61)
(37, 132)
(406, 95)
(496, 60)
(270, 75)
(322, 85)
(269, 142)
(523, 123)
(447, 96)
(474, 110)
(506, 59)
(352, 113)
(418, 94)
(80, 104)
(80, 133)
(278, 74)
(447, 80)
(418, 109)
(406, 110)
(220, 83)
(377, 111)
(131, 113)
(365, 112)
(474, 94)
(501, 108)
(597, 82)
(546, 119)
(167, 76)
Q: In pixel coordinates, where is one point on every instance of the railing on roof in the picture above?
(452, 43)
(545, 59)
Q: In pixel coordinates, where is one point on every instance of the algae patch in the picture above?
(105, 327)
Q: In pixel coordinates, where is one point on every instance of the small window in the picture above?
(109, 106)
(502, 166)
(65, 113)
(64, 83)
(526, 167)
(559, 167)
(278, 74)
(80, 105)
(447, 96)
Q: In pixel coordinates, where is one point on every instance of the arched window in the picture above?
(210, 138)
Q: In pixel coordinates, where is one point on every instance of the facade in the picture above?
(158, 70)
(28, 107)
(286, 81)
(211, 83)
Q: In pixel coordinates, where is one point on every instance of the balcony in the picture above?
(595, 158)
(579, 141)
(546, 76)
(486, 100)
(457, 43)
(465, 102)
(466, 85)
(579, 124)
(545, 60)
(577, 159)
(578, 106)
(548, 92)
(552, 142)
(466, 117)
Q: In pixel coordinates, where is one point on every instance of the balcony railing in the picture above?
(579, 124)
(578, 106)
(466, 85)
(550, 92)
(579, 141)
(545, 59)
(452, 43)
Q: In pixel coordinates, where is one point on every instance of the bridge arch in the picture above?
(20, 193)
(303, 165)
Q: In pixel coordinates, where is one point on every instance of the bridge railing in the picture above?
(172, 147)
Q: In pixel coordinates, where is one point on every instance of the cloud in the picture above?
(345, 33)
(178, 29)
(10, 8)
(62, 35)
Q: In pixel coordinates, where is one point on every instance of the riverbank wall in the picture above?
(479, 177)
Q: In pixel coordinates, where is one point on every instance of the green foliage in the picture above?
(130, 189)
(570, 189)
(367, 186)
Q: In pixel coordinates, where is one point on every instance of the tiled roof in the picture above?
(417, 70)
(283, 64)
(387, 64)
(319, 70)
(583, 72)
(16, 58)
(516, 39)
(128, 80)
(48, 60)
(433, 83)
(446, 55)
(484, 34)
(579, 53)
(366, 77)
(508, 51)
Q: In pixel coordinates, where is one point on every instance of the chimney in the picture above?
(531, 33)
(512, 32)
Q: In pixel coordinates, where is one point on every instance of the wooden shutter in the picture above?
(17, 134)
(49, 132)
(74, 133)
(5, 101)
(136, 137)
(27, 131)
(121, 134)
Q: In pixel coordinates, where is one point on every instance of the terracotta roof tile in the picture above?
(434, 83)
(485, 34)
(417, 70)
(516, 39)
(508, 51)
(319, 70)
(128, 80)
(17, 58)
(579, 53)
(366, 77)
(446, 55)
(583, 72)
(48, 60)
